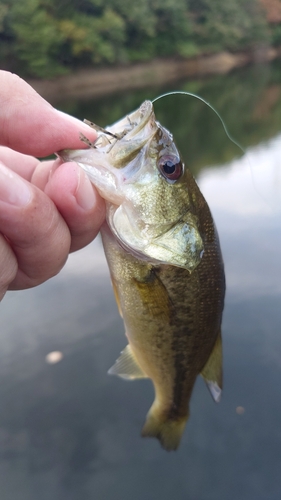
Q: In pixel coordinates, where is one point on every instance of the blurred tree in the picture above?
(156, 28)
(229, 25)
(174, 29)
(37, 38)
(140, 22)
(92, 39)
(49, 37)
(46, 37)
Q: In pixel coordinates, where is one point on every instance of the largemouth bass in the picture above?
(165, 263)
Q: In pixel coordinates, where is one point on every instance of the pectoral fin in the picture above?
(126, 366)
(212, 371)
(154, 296)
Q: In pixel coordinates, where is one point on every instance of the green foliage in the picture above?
(37, 38)
(173, 27)
(276, 35)
(231, 24)
(45, 38)
(94, 39)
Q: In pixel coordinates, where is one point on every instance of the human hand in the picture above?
(47, 209)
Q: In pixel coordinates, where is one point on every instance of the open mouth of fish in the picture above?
(109, 161)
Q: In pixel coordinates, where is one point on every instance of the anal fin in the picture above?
(212, 371)
(127, 366)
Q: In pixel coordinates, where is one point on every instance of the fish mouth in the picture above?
(113, 157)
(134, 123)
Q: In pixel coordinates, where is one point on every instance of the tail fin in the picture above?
(168, 431)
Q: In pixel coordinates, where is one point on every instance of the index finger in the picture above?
(30, 125)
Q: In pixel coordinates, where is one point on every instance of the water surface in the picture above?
(68, 431)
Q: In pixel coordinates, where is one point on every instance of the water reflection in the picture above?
(68, 431)
(245, 197)
(249, 102)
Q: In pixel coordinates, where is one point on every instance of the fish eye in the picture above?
(170, 167)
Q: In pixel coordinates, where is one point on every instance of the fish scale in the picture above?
(165, 263)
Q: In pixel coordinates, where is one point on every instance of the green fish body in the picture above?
(165, 263)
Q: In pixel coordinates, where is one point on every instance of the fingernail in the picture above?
(13, 189)
(85, 194)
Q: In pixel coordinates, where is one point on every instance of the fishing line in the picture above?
(210, 106)
(183, 92)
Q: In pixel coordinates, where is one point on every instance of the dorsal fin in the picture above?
(127, 366)
(212, 371)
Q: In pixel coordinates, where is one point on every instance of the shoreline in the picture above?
(97, 82)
